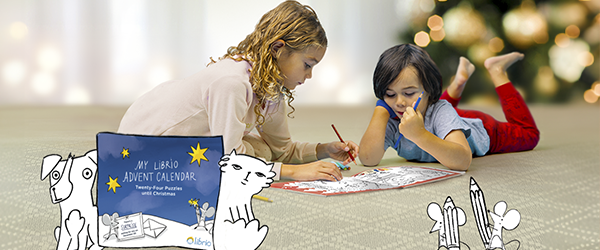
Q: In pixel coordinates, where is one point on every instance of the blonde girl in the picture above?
(249, 88)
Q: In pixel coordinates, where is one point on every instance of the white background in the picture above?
(98, 52)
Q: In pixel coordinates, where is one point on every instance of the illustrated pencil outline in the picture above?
(480, 212)
(451, 224)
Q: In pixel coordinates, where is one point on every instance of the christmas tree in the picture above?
(560, 40)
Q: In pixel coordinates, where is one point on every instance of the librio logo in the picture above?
(198, 241)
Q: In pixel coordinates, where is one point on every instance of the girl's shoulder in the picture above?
(229, 66)
(222, 78)
(228, 72)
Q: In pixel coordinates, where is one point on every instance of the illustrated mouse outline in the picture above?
(508, 221)
(447, 223)
(492, 238)
(111, 222)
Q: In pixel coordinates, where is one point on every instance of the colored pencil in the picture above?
(262, 198)
(338, 135)
(415, 108)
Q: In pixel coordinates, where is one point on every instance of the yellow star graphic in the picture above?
(198, 154)
(125, 152)
(113, 184)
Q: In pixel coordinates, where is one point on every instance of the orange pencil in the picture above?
(338, 135)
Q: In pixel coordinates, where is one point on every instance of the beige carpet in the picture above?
(555, 187)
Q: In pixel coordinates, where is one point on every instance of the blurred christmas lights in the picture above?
(422, 39)
(524, 26)
(563, 27)
(463, 25)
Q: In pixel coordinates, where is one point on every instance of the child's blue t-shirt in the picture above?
(440, 119)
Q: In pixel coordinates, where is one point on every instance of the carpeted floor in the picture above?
(555, 187)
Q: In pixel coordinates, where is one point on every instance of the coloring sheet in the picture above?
(371, 180)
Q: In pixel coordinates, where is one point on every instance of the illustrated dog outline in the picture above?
(71, 183)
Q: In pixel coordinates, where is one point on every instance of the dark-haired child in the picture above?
(437, 130)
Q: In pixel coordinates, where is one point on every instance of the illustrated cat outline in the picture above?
(71, 183)
(242, 176)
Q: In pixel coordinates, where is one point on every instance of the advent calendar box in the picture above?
(156, 191)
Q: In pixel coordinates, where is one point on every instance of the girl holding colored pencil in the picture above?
(249, 88)
(437, 130)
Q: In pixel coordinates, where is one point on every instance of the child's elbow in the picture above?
(368, 160)
(369, 155)
(461, 165)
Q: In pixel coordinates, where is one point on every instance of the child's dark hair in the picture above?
(399, 57)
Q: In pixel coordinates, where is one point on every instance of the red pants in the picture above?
(519, 133)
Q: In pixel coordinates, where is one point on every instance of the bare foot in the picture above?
(463, 72)
(497, 66)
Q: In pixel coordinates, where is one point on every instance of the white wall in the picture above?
(103, 52)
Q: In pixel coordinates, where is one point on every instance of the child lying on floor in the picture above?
(437, 130)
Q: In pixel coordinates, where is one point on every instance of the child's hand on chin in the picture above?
(411, 124)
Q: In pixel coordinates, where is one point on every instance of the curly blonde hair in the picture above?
(298, 26)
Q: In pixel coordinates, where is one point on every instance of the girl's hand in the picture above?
(338, 151)
(318, 170)
(411, 125)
